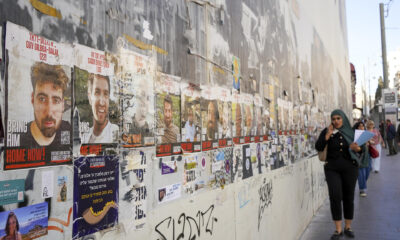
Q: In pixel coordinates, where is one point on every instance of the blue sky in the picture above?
(364, 39)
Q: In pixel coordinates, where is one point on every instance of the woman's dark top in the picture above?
(338, 148)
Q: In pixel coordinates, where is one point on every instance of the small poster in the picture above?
(38, 101)
(47, 184)
(95, 194)
(221, 167)
(12, 191)
(31, 222)
(96, 98)
(246, 161)
(137, 98)
(62, 188)
(195, 176)
(168, 115)
(225, 117)
(209, 117)
(191, 118)
(169, 193)
(236, 72)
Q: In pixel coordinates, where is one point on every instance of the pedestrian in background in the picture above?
(365, 165)
(382, 132)
(377, 143)
(390, 136)
(341, 170)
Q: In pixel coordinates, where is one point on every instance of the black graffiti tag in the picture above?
(265, 193)
(203, 222)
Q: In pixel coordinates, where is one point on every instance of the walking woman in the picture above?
(365, 165)
(378, 143)
(341, 170)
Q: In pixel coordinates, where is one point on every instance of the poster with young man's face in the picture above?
(225, 117)
(191, 117)
(96, 99)
(248, 115)
(137, 99)
(237, 118)
(210, 118)
(38, 100)
(168, 115)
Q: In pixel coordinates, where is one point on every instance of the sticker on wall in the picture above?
(96, 99)
(62, 188)
(169, 193)
(136, 98)
(38, 117)
(12, 191)
(47, 184)
(225, 117)
(168, 115)
(32, 222)
(191, 118)
(95, 194)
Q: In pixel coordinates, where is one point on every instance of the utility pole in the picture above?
(383, 42)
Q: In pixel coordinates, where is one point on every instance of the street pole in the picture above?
(383, 42)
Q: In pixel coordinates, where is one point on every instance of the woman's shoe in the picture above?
(336, 235)
(349, 233)
(363, 194)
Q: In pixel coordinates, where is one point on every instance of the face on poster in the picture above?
(191, 113)
(225, 113)
(237, 115)
(24, 223)
(38, 120)
(96, 96)
(168, 109)
(137, 98)
(210, 116)
(248, 119)
(95, 194)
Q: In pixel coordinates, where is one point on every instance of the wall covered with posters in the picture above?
(175, 119)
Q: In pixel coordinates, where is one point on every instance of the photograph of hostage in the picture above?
(102, 131)
(190, 127)
(171, 131)
(49, 84)
(212, 120)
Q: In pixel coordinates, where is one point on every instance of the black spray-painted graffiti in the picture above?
(203, 222)
(265, 193)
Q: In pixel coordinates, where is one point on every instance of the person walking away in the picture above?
(377, 142)
(390, 136)
(365, 165)
(341, 170)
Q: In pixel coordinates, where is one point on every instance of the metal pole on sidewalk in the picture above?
(383, 42)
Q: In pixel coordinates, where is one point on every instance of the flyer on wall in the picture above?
(237, 119)
(95, 194)
(137, 74)
(168, 115)
(38, 100)
(96, 100)
(248, 110)
(209, 119)
(191, 118)
(258, 123)
(225, 117)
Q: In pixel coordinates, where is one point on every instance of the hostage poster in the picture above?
(168, 115)
(259, 127)
(136, 98)
(95, 194)
(237, 119)
(37, 101)
(191, 117)
(96, 98)
(225, 117)
(209, 118)
(248, 113)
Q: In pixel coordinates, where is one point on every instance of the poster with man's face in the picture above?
(136, 98)
(96, 97)
(237, 118)
(37, 101)
(225, 117)
(248, 115)
(210, 118)
(258, 124)
(191, 117)
(168, 115)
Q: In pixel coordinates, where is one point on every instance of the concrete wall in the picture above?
(293, 55)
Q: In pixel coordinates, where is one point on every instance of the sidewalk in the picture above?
(376, 217)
